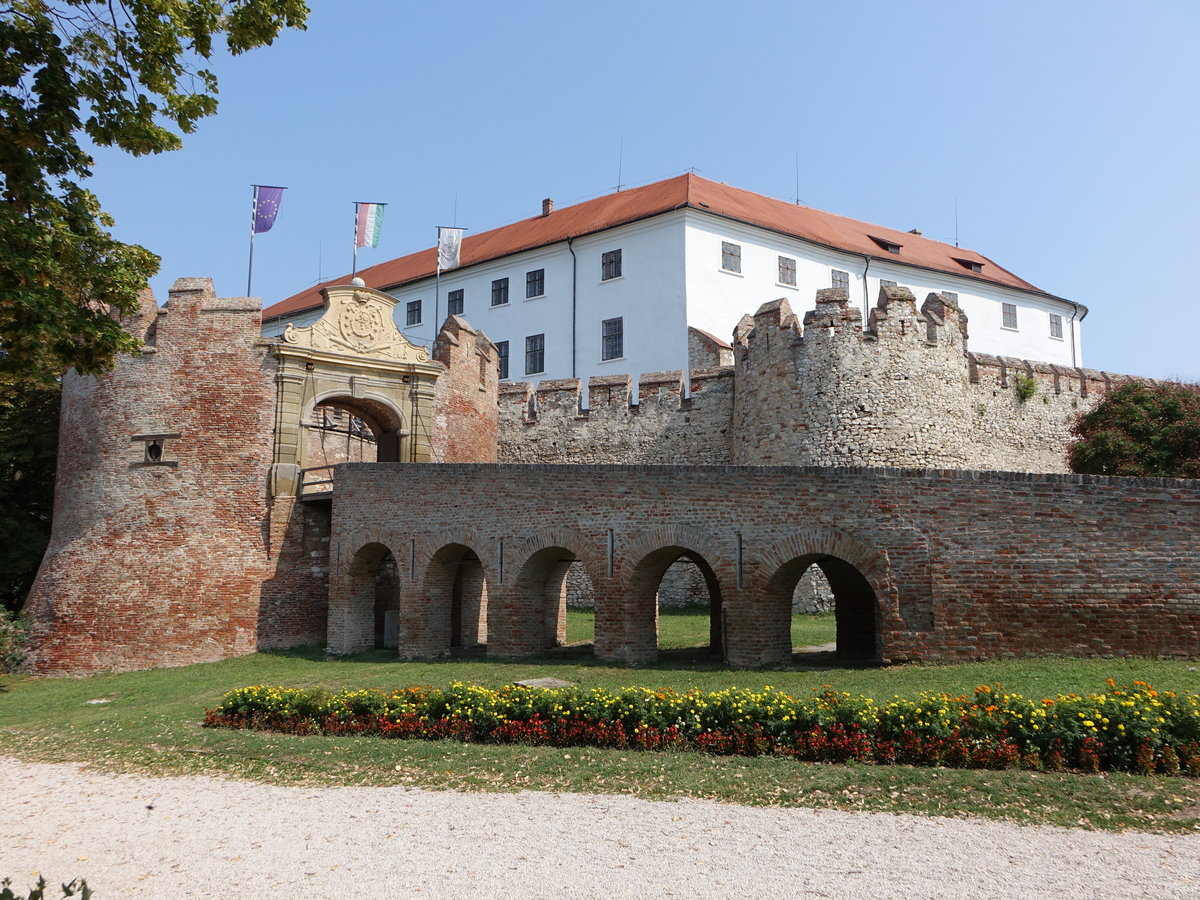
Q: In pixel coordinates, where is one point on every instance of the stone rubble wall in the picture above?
(903, 391)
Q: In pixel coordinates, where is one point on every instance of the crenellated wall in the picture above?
(551, 424)
(902, 391)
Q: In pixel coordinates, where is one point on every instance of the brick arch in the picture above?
(348, 547)
(643, 562)
(351, 620)
(425, 545)
(590, 555)
(860, 575)
(701, 542)
(441, 610)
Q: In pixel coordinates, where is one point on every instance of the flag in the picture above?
(266, 206)
(370, 223)
(449, 243)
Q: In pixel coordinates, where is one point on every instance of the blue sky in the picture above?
(1065, 132)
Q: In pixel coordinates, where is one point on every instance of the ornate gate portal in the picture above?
(355, 358)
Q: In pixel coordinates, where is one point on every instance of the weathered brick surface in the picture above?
(162, 564)
(464, 421)
(959, 564)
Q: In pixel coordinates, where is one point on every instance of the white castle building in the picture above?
(620, 283)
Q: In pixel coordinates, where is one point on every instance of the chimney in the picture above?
(916, 231)
(547, 207)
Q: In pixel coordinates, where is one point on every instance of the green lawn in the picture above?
(150, 725)
(688, 627)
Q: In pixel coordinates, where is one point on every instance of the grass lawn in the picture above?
(688, 627)
(149, 725)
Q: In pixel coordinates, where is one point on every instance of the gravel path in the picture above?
(135, 837)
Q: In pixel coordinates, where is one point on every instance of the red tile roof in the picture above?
(684, 191)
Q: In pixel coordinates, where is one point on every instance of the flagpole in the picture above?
(354, 268)
(253, 218)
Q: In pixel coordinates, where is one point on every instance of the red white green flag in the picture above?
(370, 224)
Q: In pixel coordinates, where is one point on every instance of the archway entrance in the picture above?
(456, 592)
(856, 608)
(557, 603)
(365, 612)
(354, 360)
(676, 602)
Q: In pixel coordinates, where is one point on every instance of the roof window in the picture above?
(973, 264)
(889, 246)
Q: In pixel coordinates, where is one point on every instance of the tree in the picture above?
(28, 449)
(1141, 429)
(122, 73)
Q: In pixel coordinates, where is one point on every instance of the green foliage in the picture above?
(77, 888)
(1026, 386)
(122, 74)
(1141, 429)
(14, 640)
(28, 452)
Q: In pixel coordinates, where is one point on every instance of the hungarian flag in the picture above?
(266, 206)
(370, 223)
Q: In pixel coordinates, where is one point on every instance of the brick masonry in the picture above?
(928, 564)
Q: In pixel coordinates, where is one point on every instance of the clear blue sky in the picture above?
(1067, 132)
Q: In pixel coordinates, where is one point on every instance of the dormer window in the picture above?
(889, 246)
(973, 264)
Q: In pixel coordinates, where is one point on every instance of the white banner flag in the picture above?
(449, 243)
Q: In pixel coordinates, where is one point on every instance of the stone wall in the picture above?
(925, 565)
(464, 427)
(553, 424)
(903, 391)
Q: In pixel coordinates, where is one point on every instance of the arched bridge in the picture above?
(923, 564)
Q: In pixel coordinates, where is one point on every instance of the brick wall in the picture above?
(162, 564)
(464, 425)
(935, 565)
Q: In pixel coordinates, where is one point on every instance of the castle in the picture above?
(926, 482)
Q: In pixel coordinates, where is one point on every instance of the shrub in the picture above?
(14, 640)
(77, 888)
(1140, 429)
(1026, 386)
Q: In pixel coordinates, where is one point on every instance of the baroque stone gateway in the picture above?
(221, 493)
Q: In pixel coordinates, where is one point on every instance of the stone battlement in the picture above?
(902, 391)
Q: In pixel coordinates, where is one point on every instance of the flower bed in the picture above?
(1133, 728)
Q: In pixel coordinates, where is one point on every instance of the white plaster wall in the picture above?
(716, 299)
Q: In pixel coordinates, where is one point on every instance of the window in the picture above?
(412, 313)
(502, 352)
(499, 292)
(787, 270)
(1009, 311)
(1056, 326)
(731, 257)
(951, 296)
(885, 244)
(841, 279)
(884, 282)
(610, 265)
(973, 265)
(612, 338)
(535, 354)
(535, 283)
(454, 303)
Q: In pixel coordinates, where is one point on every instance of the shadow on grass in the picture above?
(700, 658)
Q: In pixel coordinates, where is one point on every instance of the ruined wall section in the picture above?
(550, 424)
(464, 427)
(159, 542)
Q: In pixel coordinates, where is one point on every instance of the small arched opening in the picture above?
(364, 615)
(676, 602)
(855, 605)
(557, 602)
(457, 593)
